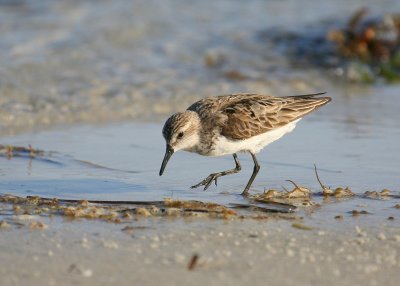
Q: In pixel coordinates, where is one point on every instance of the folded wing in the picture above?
(250, 115)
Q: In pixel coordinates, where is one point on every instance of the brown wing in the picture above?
(250, 115)
(214, 104)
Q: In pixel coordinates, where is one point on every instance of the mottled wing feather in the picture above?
(210, 105)
(242, 116)
(259, 114)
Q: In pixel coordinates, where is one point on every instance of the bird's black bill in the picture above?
(168, 154)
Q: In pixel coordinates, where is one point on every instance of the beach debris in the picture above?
(4, 224)
(128, 229)
(10, 151)
(24, 217)
(235, 75)
(113, 211)
(197, 206)
(26, 211)
(298, 191)
(397, 206)
(357, 212)
(365, 48)
(17, 209)
(343, 192)
(298, 196)
(173, 212)
(84, 203)
(373, 41)
(384, 194)
(89, 212)
(391, 218)
(338, 192)
(271, 193)
(338, 217)
(325, 190)
(267, 207)
(142, 211)
(37, 225)
(301, 226)
(193, 262)
(131, 229)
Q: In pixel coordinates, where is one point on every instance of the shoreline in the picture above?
(235, 252)
(87, 244)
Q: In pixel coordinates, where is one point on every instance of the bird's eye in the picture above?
(180, 135)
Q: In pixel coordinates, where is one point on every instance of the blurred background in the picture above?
(98, 79)
(68, 61)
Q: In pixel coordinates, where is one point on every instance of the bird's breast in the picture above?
(223, 145)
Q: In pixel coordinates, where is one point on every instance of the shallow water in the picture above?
(62, 64)
(121, 161)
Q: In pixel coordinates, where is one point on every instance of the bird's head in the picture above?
(181, 132)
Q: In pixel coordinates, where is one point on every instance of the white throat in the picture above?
(189, 144)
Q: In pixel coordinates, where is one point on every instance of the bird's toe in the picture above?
(207, 182)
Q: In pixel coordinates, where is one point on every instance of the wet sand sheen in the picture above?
(156, 251)
(61, 65)
(121, 162)
(128, 156)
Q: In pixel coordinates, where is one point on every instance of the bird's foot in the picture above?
(245, 193)
(207, 181)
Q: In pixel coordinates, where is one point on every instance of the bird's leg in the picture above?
(256, 168)
(213, 177)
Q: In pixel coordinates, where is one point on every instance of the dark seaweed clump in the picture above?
(364, 48)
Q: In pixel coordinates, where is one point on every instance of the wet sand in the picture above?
(113, 163)
(81, 82)
(159, 251)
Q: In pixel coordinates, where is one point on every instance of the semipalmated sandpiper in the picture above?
(229, 124)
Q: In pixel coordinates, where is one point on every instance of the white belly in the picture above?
(254, 144)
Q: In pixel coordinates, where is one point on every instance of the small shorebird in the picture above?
(229, 124)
